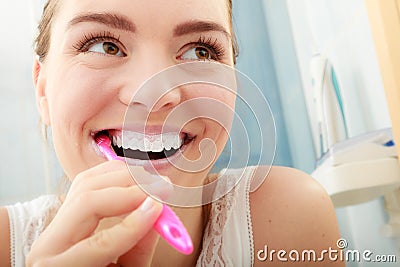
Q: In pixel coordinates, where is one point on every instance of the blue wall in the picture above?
(256, 61)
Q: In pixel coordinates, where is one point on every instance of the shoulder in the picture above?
(290, 210)
(4, 238)
(289, 187)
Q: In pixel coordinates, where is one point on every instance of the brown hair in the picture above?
(235, 46)
(42, 41)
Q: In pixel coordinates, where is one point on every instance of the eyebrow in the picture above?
(196, 26)
(112, 20)
(123, 23)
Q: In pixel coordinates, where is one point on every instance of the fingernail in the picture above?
(147, 204)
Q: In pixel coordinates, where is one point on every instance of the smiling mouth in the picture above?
(139, 146)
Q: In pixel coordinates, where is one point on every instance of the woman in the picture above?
(92, 57)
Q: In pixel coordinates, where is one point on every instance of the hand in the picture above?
(106, 190)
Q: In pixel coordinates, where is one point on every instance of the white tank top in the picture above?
(227, 240)
(27, 222)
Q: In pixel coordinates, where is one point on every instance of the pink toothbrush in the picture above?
(168, 224)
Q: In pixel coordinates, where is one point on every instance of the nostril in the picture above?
(139, 105)
(168, 101)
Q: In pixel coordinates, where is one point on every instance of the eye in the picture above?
(203, 49)
(197, 53)
(108, 48)
(104, 43)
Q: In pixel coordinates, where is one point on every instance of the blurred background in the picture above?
(278, 40)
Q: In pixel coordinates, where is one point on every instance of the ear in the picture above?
(39, 81)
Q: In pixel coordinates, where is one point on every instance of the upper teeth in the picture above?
(148, 143)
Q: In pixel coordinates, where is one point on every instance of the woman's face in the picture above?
(102, 51)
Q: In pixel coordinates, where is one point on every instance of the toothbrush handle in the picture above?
(172, 230)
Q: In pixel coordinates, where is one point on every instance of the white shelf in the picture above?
(359, 170)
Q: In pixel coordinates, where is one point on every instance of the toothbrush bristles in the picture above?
(101, 138)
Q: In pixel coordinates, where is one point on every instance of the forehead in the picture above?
(152, 15)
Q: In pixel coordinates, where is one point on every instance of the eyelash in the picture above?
(84, 44)
(212, 44)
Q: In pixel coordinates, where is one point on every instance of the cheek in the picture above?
(224, 96)
(215, 102)
(76, 95)
(214, 106)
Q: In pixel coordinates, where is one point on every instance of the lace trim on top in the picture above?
(37, 224)
(214, 230)
(212, 251)
(249, 221)
(12, 241)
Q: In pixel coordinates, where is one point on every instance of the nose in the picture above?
(147, 88)
(155, 98)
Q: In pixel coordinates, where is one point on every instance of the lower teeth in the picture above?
(137, 154)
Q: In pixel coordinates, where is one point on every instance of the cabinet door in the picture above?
(384, 17)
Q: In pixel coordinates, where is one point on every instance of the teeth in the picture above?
(148, 143)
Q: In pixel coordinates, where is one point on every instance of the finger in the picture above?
(108, 166)
(113, 174)
(78, 219)
(81, 215)
(151, 183)
(103, 247)
(105, 168)
(120, 178)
